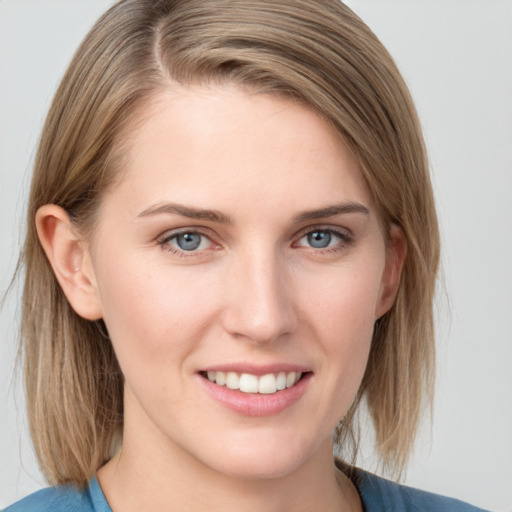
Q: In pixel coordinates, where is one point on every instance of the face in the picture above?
(240, 249)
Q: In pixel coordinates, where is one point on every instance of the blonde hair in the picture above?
(319, 53)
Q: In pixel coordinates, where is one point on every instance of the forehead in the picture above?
(220, 143)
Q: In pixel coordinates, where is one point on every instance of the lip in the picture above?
(249, 404)
(258, 370)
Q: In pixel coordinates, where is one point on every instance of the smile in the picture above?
(262, 393)
(267, 384)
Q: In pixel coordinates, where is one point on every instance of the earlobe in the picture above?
(69, 259)
(395, 256)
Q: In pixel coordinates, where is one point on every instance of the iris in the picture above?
(188, 241)
(319, 239)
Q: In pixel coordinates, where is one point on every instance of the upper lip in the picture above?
(255, 369)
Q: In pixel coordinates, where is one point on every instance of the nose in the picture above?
(259, 294)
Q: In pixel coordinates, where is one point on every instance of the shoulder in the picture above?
(379, 494)
(54, 499)
(63, 498)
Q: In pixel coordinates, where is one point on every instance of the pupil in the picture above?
(319, 239)
(188, 241)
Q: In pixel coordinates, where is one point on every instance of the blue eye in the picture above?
(319, 239)
(323, 239)
(186, 241)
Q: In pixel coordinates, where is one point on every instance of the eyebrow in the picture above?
(217, 216)
(331, 211)
(186, 211)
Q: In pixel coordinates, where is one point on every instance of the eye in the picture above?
(186, 241)
(319, 239)
(323, 239)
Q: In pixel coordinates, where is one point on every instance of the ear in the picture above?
(395, 256)
(70, 260)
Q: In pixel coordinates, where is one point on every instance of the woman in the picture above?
(232, 216)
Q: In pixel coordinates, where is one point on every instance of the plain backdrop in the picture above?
(456, 56)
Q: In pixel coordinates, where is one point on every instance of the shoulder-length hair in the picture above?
(319, 53)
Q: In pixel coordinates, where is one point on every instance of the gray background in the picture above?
(456, 56)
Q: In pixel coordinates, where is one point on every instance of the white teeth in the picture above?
(249, 383)
(219, 378)
(232, 380)
(281, 381)
(267, 384)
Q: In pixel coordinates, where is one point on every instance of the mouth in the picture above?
(268, 384)
(256, 391)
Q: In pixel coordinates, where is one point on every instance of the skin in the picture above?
(255, 291)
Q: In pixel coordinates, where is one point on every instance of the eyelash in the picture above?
(345, 240)
(164, 240)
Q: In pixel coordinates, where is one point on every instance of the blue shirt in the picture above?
(377, 494)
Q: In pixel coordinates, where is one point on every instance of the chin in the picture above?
(273, 460)
(257, 468)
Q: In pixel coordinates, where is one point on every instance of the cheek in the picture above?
(346, 299)
(147, 313)
(342, 313)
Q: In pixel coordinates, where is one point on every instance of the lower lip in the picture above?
(255, 404)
